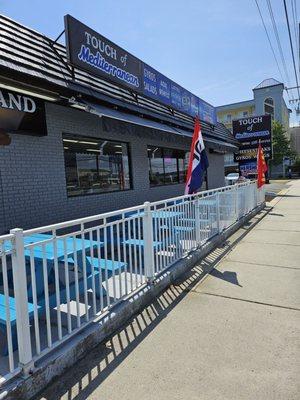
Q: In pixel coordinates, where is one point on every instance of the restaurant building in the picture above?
(74, 143)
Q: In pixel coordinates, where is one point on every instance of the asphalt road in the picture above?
(276, 186)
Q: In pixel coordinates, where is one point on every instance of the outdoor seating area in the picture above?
(57, 279)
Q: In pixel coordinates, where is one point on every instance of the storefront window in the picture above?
(166, 166)
(95, 165)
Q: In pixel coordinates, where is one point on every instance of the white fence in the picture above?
(54, 280)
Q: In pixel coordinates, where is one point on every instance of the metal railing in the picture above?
(54, 280)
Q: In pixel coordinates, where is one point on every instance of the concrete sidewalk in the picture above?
(233, 333)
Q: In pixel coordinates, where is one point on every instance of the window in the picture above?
(228, 117)
(95, 165)
(269, 106)
(228, 159)
(167, 166)
(245, 113)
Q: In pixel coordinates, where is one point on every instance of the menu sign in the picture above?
(249, 132)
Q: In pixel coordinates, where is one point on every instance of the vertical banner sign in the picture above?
(249, 131)
(90, 51)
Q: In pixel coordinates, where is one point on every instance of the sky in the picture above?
(216, 49)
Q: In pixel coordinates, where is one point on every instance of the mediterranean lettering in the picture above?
(244, 135)
(98, 61)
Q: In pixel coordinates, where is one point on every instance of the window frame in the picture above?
(162, 148)
(68, 135)
(269, 105)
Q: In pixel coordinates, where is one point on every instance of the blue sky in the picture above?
(216, 49)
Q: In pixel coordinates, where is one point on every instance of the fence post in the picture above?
(218, 211)
(197, 221)
(148, 242)
(236, 198)
(21, 299)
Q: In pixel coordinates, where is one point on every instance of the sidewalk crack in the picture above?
(261, 265)
(247, 301)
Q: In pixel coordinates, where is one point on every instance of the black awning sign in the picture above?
(23, 114)
(15, 101)
(91, 51)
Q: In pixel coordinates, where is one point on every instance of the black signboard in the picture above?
(92, 52)
(23, 114)
(249, 131)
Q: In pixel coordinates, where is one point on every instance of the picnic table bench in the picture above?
(12, 319)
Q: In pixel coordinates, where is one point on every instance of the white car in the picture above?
(232, 178)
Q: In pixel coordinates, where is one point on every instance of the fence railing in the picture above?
(55, 280)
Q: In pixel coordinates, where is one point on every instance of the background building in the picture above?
(294, 133)
(267, 99)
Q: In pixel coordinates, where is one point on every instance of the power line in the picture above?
(278, 41)
(291, 44)
(298, 26)
(290, 96)
(294, 14)
(269, 40)
(280, 49)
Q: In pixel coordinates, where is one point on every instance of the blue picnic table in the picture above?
(12, 319)
(160, 214)
(43, 251)
(157, 215)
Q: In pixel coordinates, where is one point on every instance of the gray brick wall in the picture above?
(33, 172)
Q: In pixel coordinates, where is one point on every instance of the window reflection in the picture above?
(156, 166)
(167, 166)
(95, 165)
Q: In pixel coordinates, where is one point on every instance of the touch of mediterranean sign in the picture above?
(92, 52)
(249, 131)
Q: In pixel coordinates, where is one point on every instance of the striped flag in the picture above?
(198, 161)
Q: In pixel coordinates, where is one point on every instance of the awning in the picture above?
(103, 111)
(211, 143)
(133, 119)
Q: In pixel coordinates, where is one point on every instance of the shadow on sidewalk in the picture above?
(276, 214)
(228, 276)
(81, 380)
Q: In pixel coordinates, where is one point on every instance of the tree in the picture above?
(281, 144)
(297, 162)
